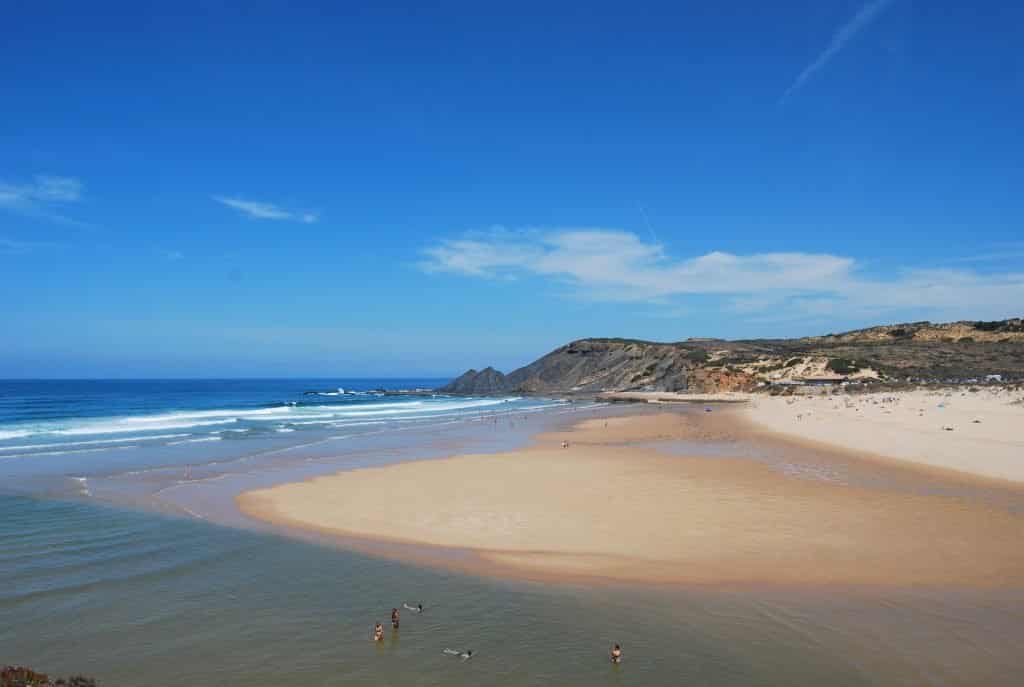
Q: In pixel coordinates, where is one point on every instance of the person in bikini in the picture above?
(378, 633)
(616, 654)
(394, 618)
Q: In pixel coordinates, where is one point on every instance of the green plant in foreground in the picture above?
(18, 676)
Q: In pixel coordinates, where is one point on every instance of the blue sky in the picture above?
(193, 190)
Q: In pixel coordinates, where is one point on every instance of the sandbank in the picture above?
(612, 506)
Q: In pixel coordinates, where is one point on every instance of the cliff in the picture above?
(924, 351)
(600, 364)
(485, 382)
(592, 365)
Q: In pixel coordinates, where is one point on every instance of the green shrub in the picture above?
(17, 676)
(842, 366)
(698, 355)
(1000, 326)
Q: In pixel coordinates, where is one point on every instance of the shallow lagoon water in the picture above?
(123, 584)
(141, 599)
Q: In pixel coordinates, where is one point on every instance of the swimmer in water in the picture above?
(394, 618)
(465, 655)
(378, 633)
(418, 608)
(616, 654)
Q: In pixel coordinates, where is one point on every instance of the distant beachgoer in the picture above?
(378, 633)
(418, 608)
(616, 654)
(465, 655)
(394, 618)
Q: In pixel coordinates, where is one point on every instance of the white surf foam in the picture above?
(180, 420)
(199, 440)
(152, 437)
(119, 427)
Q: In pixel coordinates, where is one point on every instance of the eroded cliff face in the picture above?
(709, 380)
(918, 350)
(590, 365)
(605, 365)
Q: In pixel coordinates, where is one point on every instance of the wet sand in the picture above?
(608, 507)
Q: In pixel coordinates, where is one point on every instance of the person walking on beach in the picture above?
(616, 654)
(378, 633)
(394, 618)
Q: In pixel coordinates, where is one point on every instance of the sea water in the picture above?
(126, 563)
(59, 427)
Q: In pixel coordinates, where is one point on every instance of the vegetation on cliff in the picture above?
(918, 350)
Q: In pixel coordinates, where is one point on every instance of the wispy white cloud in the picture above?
(867, 14)
(260, 210)
(41, 197)
(17, 247)
(621, 266)
(996, 253)
(618, 266)
(174, 255)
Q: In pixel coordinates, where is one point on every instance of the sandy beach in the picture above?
(979, 433)
(611, 505)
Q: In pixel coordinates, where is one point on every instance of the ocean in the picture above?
(122, 557)
(45, 419)
(63, 437)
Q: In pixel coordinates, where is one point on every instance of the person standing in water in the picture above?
(378, 633)
(394, 618)
(616, 654)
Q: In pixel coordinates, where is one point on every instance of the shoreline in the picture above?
(614, 507)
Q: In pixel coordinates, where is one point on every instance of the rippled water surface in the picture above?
(138, 599)
(137, 570)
